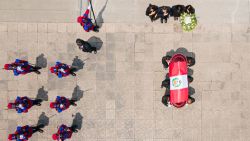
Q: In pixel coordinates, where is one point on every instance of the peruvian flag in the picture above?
(178, 80)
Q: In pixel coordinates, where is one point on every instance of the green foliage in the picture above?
(188, 21)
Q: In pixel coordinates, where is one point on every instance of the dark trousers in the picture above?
(72, 102)
(37, 128)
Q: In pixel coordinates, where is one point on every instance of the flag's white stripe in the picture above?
(178, 82)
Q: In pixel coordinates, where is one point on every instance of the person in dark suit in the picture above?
(165, 60)
(85, 46)
(177, 10)
(163, 13)
(151, 11)
(190, 9)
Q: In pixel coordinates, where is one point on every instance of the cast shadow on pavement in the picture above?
(42, 94)
(43, 120)
(77, 121)
(77, 93)
(99, 18)
(95, 42)
(77, 64)
(41, 61)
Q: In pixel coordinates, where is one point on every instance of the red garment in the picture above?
(86, 22)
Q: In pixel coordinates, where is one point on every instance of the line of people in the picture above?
(23, 104)
(164, 12)
(22, 67)
(23, 133)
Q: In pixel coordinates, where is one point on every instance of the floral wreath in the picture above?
(188, 21)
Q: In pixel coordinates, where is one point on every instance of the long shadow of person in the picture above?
(77, 94)
(43, 120)
(77, 122)
(41, 61)
(77, 64)
(42, 94)
(95, 42)
(99, 18)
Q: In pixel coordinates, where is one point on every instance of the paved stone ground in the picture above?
(121, 84)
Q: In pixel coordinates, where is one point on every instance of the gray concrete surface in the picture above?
(121, 83)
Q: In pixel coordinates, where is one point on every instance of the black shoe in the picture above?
(40, 130)
(96, 29)
(37, 102)
(72, 102)
(73, 74)
(73, 128)
(37, 72)
(37, 67)
(75, 131)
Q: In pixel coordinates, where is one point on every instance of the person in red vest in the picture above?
(23, 104)
(62, 103)
(86, 22)
(64, 132)
(25, 132)
(21, 67)
(62, 70)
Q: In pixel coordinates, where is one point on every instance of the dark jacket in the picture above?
(154, 7)
(85, 46)
(160, 12)
(177, 10)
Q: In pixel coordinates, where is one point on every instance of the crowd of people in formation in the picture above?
(164, 12)
(166, 82)
(61, 103)
(23, 104)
